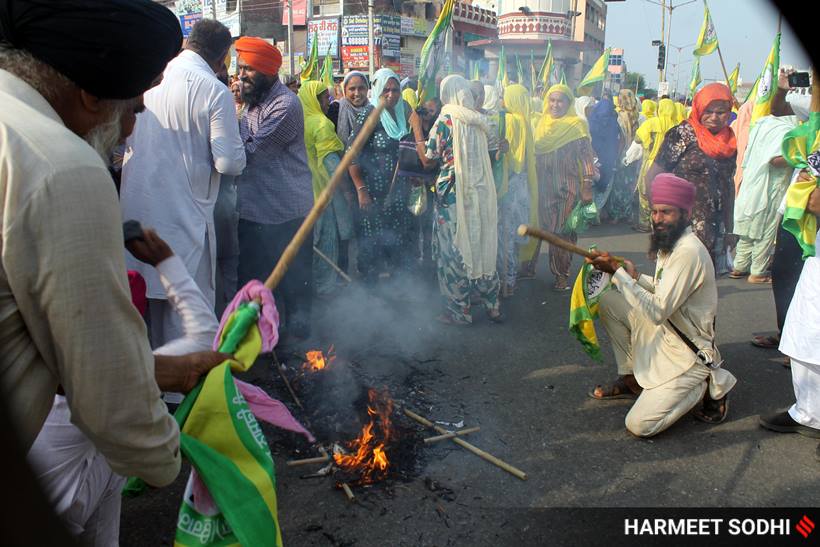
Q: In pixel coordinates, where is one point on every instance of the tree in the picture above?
(631, 79)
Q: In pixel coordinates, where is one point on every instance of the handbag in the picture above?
(409, 163)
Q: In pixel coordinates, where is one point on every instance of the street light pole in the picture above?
(290, 37)
(371, 40)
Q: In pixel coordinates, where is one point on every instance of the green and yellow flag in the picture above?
(707, 39)
(694, 82)
(502, 77)
(327, 72)
(733, 78)
(583, 307)
(767, 83)
(433, 52)
(533, 74)
(798, 145)
(476, 73)
(545, 73)
(221, 438)
(520, 70)
(596, 74)
(310, 69)
(563, 77)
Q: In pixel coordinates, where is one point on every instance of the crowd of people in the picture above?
(225, 168)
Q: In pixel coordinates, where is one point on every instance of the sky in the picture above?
(745, 29)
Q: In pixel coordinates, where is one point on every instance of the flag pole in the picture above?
(722, 64)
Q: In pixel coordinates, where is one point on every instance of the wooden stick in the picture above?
(285, 379)
(332, 264)
(308, 461)
(348, 491)
(452, 434)
(323, 200)
(553, 239)
(474, 449)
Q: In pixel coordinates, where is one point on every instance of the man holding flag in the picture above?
(663, 327)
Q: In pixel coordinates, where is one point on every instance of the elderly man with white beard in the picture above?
(72, 74)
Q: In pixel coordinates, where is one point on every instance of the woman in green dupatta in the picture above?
(323, 147)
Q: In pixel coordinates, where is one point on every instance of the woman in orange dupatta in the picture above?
(702, 150)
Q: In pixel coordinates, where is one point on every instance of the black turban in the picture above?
(113, 49)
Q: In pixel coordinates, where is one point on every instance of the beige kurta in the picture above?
(65, 307)
(684, 291)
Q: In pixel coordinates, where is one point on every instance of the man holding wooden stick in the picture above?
(663, 327)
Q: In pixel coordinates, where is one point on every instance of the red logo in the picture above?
(805, 526)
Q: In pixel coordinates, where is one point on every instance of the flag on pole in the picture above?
(799, 149)
(310, 69)
(707, 39)
(545, 73)
(767, 83)
(327, 72)
(501, 77)
(694, 82)
(733, 77)
(596, 74)
(520, 70)
(533, 75)
(563, 77)
(476, 73)
(583, 307)
(432, 53)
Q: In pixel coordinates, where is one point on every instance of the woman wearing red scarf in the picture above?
(702, 150)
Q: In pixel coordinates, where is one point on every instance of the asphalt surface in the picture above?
(525, 383)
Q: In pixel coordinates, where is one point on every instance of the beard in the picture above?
(664, 241)
(105, 137)
(260, 85)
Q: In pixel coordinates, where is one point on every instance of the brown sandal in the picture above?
(713, 411)
(759, 279)
(734, 274)
(766, 342)
(619, 389)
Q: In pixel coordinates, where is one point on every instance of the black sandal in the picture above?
(619, 389)
(713, 411)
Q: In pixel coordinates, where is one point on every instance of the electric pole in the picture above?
(371, 40)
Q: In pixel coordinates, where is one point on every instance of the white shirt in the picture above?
(801, 331)
(186, 138)
(65, 307)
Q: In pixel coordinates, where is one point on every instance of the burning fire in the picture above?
(368, 457)
(316, 360)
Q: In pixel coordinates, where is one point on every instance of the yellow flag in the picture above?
(733, 77)
(596, 74)
(707, 39)
(767, 83)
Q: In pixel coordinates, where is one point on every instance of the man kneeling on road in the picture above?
(663, 328)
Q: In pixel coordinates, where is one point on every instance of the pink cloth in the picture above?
(266, 409)
(668, 189)
(742, 126)
(137, 285)
(268, 319)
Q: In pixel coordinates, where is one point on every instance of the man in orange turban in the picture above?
(260, 61)
(275, 192)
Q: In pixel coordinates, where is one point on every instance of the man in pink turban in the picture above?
(662, 328)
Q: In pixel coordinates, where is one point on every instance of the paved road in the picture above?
(525, 383)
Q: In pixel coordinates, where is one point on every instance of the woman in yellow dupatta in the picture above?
(514, 202)
(648, 109)
(565, 164)
(323, 147)
(650, 136)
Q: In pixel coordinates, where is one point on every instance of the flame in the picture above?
(316, 360)
(368, 456)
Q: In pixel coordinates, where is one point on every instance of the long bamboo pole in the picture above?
(553, 239)
(324, 199)
(474, 449)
